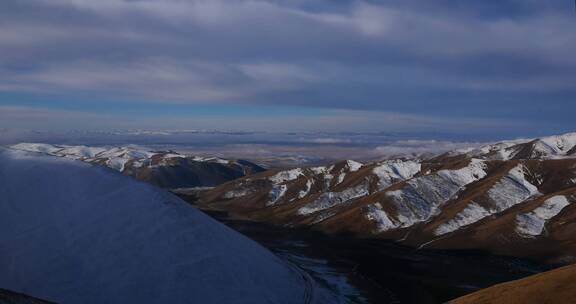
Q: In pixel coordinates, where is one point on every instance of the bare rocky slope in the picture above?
(514, 198)
(166, 169)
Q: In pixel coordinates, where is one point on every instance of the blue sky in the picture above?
(502, 68)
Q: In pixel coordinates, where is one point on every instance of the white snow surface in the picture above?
(305, 192)
(350, 166)
(376, 214)
(341, 178)
(113, 157)
(353, 165)
(551, 147)
(560, 144)
(286, 176)
(238, 193)
(330, 199)
(470, 215)
(393, 171)
(74, 233)
(511, 190)
(276, 193)
(75, 152)
(421, 198)
(321, 169)
(325, 172)
(532, 224)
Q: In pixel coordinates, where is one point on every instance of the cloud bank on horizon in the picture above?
(360, 65)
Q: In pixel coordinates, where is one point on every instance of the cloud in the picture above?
(320, 120)
(419, 147)
(477, 58)
(163, 78)
(326, 140)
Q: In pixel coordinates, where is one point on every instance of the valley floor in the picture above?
(375, 271)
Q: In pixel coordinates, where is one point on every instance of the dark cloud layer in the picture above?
(442, 58)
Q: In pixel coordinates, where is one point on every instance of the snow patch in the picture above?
(420, 199)
(560, 144)
(286, 176)
(341, 178)
(471, 214)
(532, 224)
(321, 170)
(331, 199)
(117, 163)
(325, 172)
(354, 165)
(236, 193)
(467, 175)
(305, 192)
(276, 194)
(552, 147)
(393, 171)
(114, 157)
(40, 148)
(376, 214)
(511, 190)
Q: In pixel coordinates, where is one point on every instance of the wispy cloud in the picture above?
(419, 147)
(478, 59)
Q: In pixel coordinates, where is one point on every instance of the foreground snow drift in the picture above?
(73, 233)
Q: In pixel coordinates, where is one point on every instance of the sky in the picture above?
(489, 68)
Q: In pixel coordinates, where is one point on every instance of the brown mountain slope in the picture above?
(553, 287)
(498, 198)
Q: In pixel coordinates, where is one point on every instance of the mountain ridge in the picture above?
(166, 169)
(502, 197)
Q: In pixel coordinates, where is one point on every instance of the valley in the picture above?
(287, 152)
(510, 198)
(377, 271)
(420, 229)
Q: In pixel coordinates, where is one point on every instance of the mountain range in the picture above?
(166, 169)
(513, 197)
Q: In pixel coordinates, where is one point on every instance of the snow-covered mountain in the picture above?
(551, 147)
(75, 233)
(512, 197)
(166, 169)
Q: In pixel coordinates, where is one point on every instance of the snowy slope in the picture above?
(73, 233)
(489, 198)
(166, 169)
(511, 190)
(422, 197)
(551, 147)
(532, 223)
